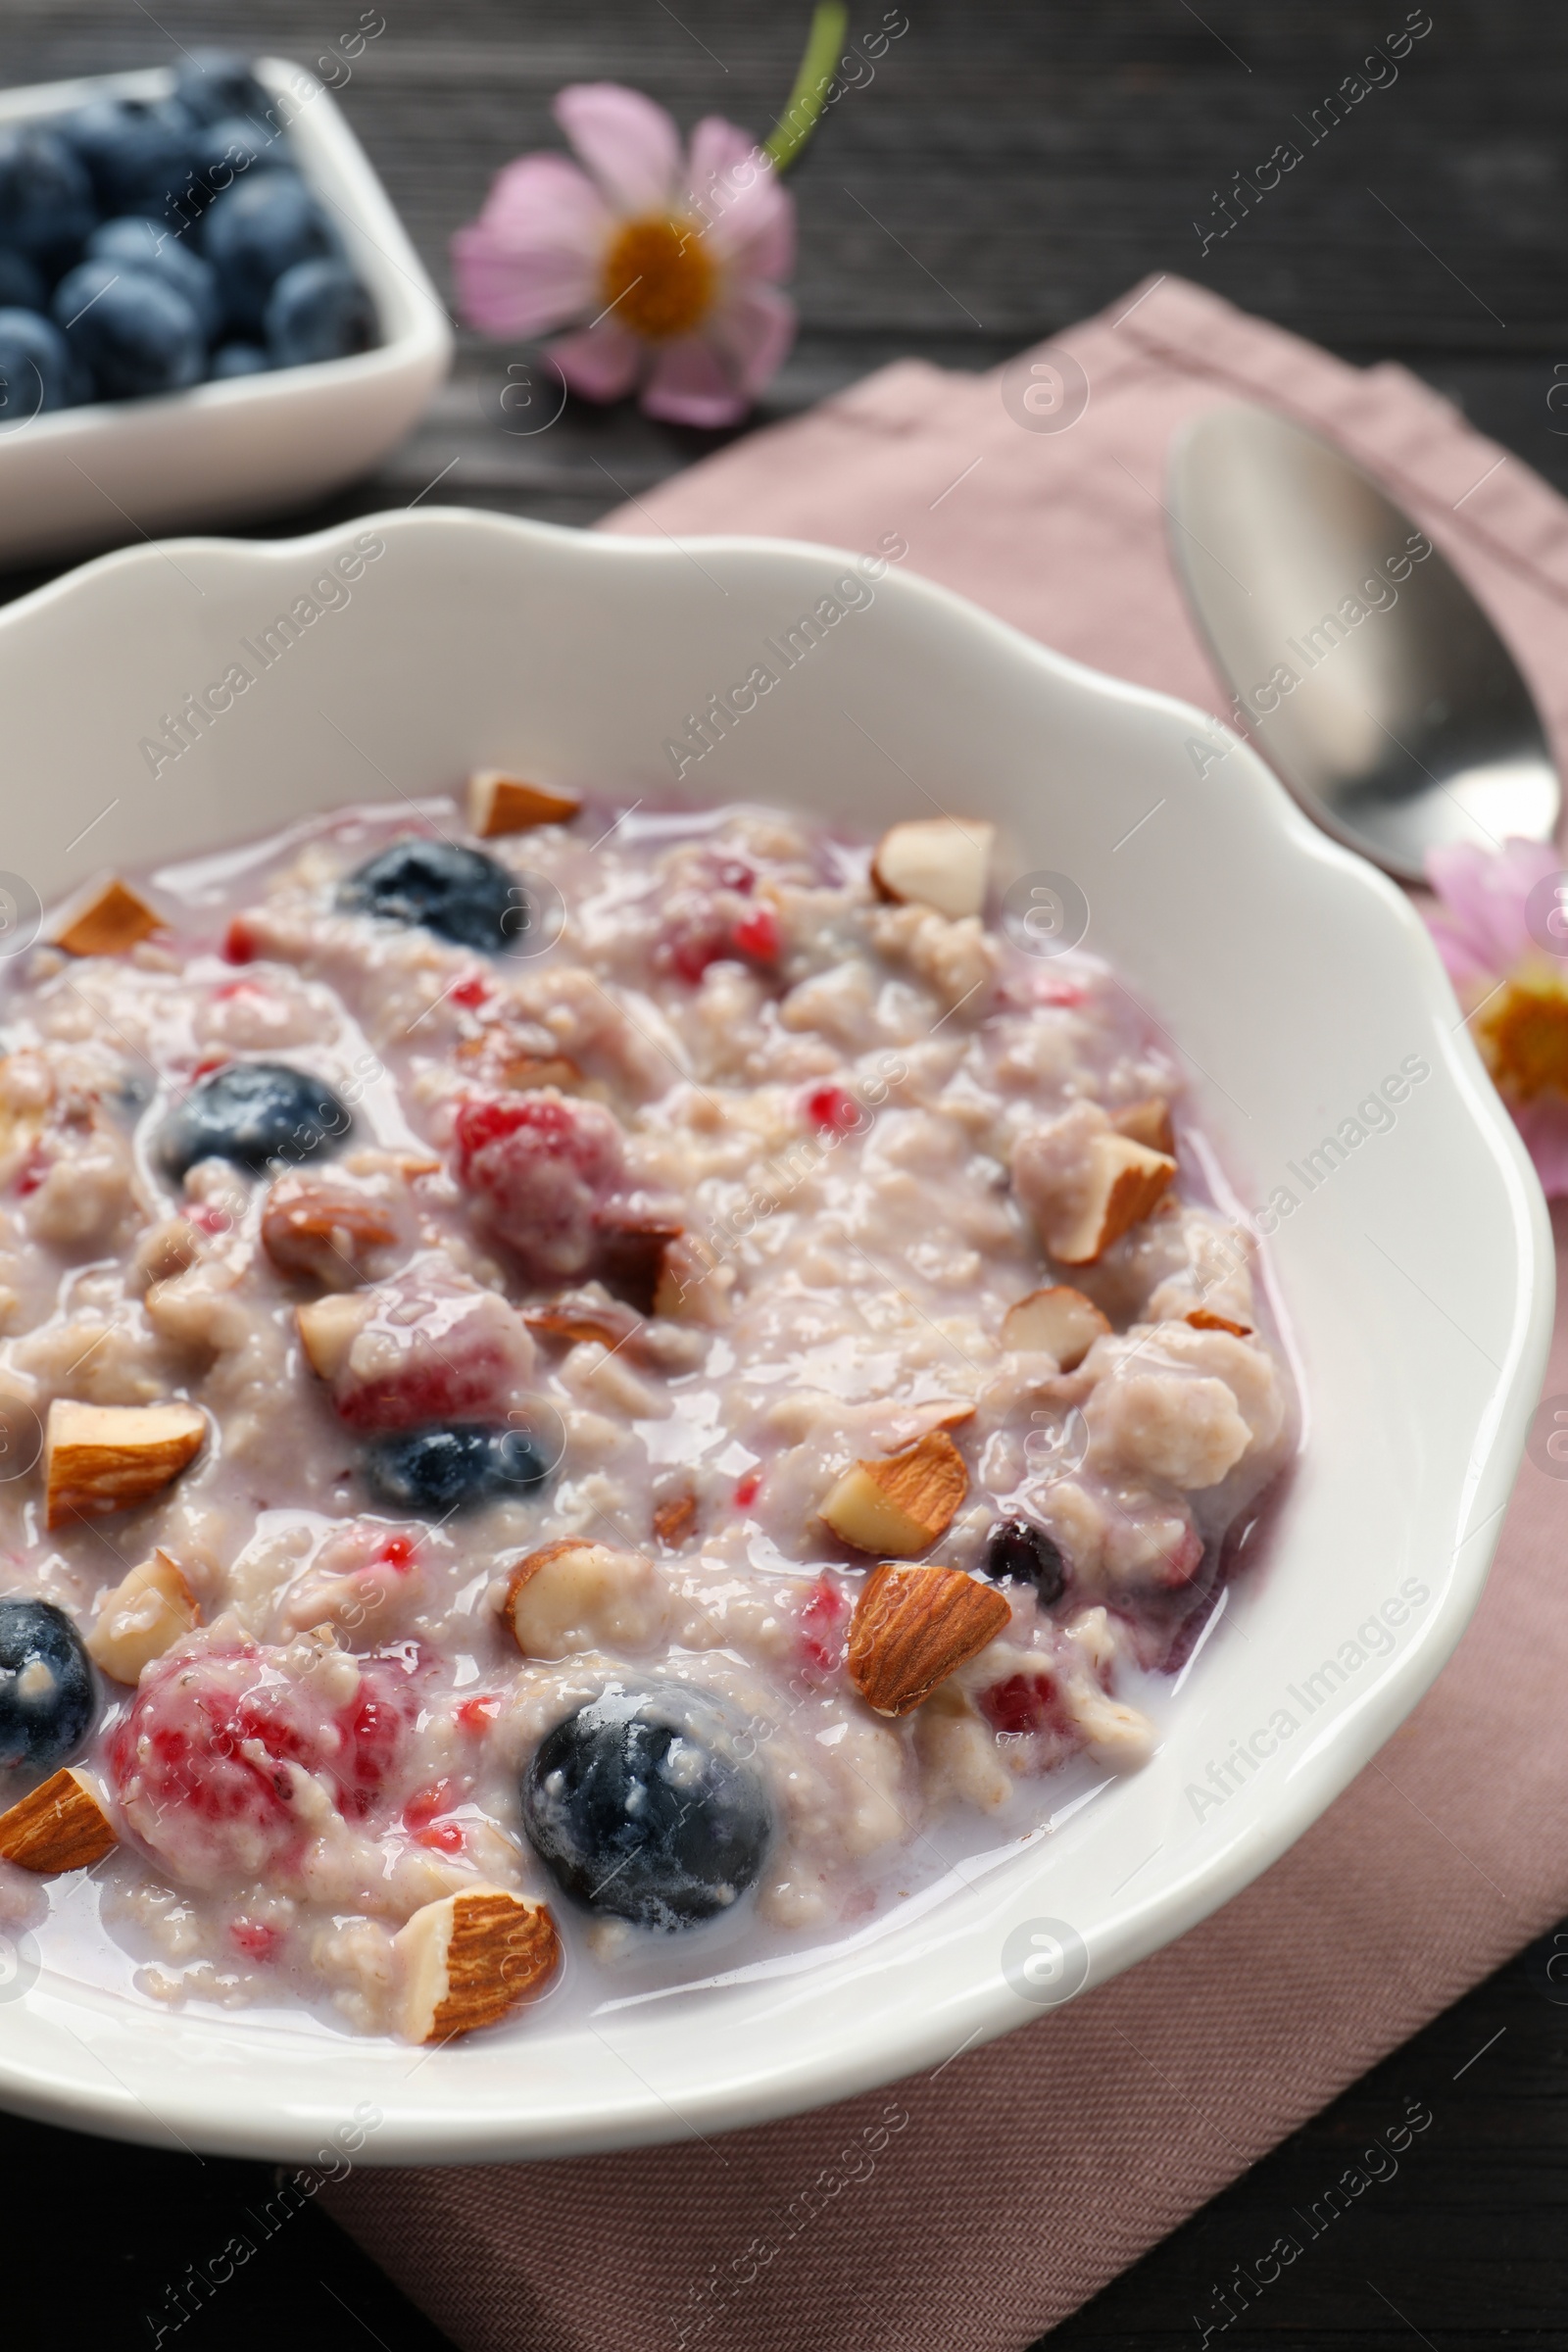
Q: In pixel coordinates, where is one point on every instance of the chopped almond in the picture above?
(324, 1231)
(674, 1518)
(1059, 1321)
(900, 1504)
(147, 1612)
(1149, 1123)
(465, 1959)
(914, 1627)
(632, 1251)
(61, 1826)
(329, 1328)
(1125, 1180)
(575, 1594)
(692, 1286)
(936, 861)
(112, 920)
(105, 1457)
(503, 803)
(579, 1315)
(1202, 1319)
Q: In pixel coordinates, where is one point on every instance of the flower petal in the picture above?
(748, 212)
(691, 385)
(752, 329)
(602, 362)
(531, 260)
(1464, 967)
(629, 144)
(1485, 890)
(1543, 1128)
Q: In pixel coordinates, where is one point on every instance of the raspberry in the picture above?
(834, 1110)
(206, 1761)
(543, 1164)
(1021, 1703)
(254, 1939)
(758, 935)
(434, 1346)
(239, 944)
(822, 1620)
(477, 1715)
(471, 992)
(747, 1488)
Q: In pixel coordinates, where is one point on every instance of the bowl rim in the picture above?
(442, 2128)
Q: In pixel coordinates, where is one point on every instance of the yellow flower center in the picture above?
(659, 278)
(1523, 1035)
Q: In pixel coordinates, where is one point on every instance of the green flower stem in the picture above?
(829, 24)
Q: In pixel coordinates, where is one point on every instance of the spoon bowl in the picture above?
(1362, 668)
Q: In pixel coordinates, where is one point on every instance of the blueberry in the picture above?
(226, 151)
(460, 893)
(140, 243)
(22, 288)
(450, 1466)
(318, 310)
(238, 358)
(136, 331)
(46, 197)
(641, 1804)
(253, 1112)
(139, 152)
(256, 230)
(213, 83)
(47, 1693)
(34, 368)
(1018, 1551)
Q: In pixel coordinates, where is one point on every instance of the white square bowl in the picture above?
(118, 470)
(1417, 1276)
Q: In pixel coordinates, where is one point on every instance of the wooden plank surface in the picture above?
(1012, 166)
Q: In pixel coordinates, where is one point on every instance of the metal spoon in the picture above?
(1368, 676)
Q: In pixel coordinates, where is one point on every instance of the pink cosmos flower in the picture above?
(668, 264)
(1500, 925)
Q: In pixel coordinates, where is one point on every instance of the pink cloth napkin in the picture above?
(1007, 2187)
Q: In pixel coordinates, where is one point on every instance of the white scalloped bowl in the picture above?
(120, 469)
(1417, 1277)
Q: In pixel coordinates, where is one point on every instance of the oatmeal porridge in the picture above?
(584, 1389)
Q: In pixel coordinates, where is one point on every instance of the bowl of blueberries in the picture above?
(208, 307)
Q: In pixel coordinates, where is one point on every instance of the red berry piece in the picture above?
(747, 1488)
(1023, 1703)
(543, 1164)
(239, 942)
(823, 1620)
(833, 1109)
(758, 935)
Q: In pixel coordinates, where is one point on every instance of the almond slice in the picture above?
(575, 1594)
(936, 861)
(1059, 1321)
(1202, 1319)
(503, 803)
(61, 1826)
(465, 1959)
(914, 1627)
(901, 1505)
(576, 1316)
(1124, 1182)
(1149, 1123)
(105, 1457)
(112, 920)
(324, 1231)
(674, 1518)
(329, 1328)
(147, 1612)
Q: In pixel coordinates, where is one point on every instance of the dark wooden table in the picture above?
(1023, 163)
